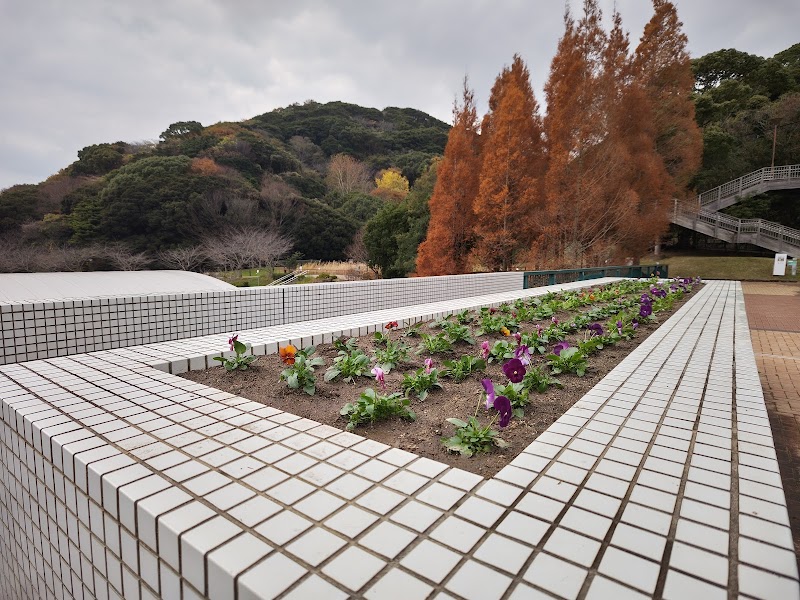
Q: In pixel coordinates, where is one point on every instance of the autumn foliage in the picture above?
(450, 232)
(590, 183)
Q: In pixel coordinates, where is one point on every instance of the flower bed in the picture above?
(472, 390)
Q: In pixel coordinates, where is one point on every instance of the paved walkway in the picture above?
(662, 481)
(773, 311)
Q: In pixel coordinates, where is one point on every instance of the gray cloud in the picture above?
(88, 71)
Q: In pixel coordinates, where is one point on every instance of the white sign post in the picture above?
(779, 268)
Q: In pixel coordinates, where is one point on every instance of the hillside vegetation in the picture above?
(312, 173)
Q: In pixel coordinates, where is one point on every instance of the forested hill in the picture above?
(747, 105)
(307, 170)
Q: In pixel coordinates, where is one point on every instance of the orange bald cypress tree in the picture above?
(663, 70)
(509, 196)
(446, 247)
(631, 149)
(581, 186)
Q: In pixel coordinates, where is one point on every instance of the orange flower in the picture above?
(591, 296)
(505, 331)
(287, 354)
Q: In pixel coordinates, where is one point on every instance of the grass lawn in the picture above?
(723, 267)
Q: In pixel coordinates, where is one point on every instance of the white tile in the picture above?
(398, 585)
(555, 575)
(630, 569)
(269, 578)
(679, 586)
(353, 568)
(477, 581)
(229, 560)
(503, 553)
(431, 560)
(458, 534)
(316, 546)
(388, 539)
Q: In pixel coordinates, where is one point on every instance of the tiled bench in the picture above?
(122, 480)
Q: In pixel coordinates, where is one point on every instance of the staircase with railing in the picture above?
(289, 278)
(702, 215)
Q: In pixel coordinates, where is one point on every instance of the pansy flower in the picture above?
(559, 347)
(514, 370)
(505, 331)
(522, 353)
(428, 365)
(379, 377)
(391, 325)
(488, 387)
(503, 406)
(619, 327)
(287, 354)
(485, 349)
(596, 329)
(232, 341)
(645, 310)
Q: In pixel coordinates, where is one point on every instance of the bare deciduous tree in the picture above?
(220, 209)
(346, 174)
(124, 259)
(246, 247)
(279, 200)
(183, 259)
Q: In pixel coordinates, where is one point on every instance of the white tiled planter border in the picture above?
(62, 327)
(121, 480)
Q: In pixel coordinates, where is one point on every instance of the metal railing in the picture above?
(744, 230)
(743, 184)
(539, 278)
(288, 278)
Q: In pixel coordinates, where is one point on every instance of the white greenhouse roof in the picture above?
(15, 287)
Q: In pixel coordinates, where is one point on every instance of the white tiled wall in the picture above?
(61, 327)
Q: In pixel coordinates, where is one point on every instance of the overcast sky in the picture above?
(81, 72)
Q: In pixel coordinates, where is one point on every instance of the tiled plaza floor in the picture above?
(773, 311)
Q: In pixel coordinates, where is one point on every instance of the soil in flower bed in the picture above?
(424, 435)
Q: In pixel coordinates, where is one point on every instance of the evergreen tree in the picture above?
(512, 165)
(450, 231)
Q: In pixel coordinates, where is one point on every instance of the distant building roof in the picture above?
(36, 287)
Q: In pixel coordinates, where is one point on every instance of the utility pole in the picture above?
(774, 122)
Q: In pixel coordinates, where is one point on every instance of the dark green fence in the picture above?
(540, 278)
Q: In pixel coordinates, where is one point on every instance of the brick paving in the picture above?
(773, 311)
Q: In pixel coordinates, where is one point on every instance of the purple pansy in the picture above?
(645, 310)
(488, 387)
(619, 327)
(517, 336)
(645, 299)
(428, 365)
(503, 406)
(514, 370)
(596, 329)
(559, 347)
(635, 323)
(522, 353)
(485, 350)
(554, 320)
(232, 341)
